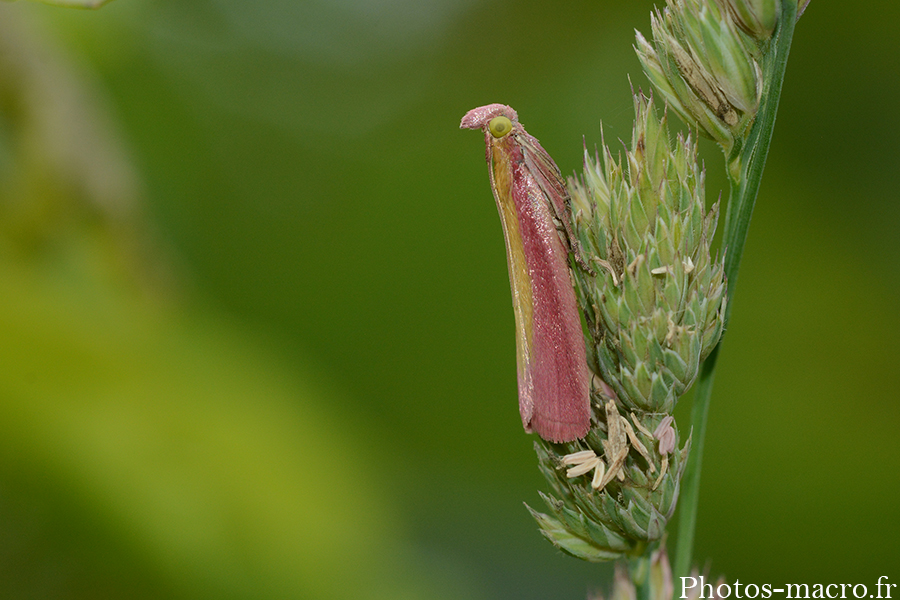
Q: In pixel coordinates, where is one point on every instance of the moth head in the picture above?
(484, 118)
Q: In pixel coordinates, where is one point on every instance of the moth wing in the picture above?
(503, 183)
(553, 355)
(538, 161)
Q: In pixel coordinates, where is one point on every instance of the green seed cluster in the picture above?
(618, 521)
(654, 308)
(704, 60)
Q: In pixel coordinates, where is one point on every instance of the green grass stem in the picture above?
(752, 155)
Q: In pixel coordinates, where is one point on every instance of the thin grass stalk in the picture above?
(739, 210)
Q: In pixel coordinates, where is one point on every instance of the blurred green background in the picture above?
(256, 319)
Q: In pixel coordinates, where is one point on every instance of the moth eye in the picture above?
(499, 126)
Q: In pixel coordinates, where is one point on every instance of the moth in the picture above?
(553, 377)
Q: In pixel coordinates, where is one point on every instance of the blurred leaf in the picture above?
(73, 3)
(189, 444)
(142, 443)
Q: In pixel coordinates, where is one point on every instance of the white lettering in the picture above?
(793, 590)
(704, 587)
(685, 588)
